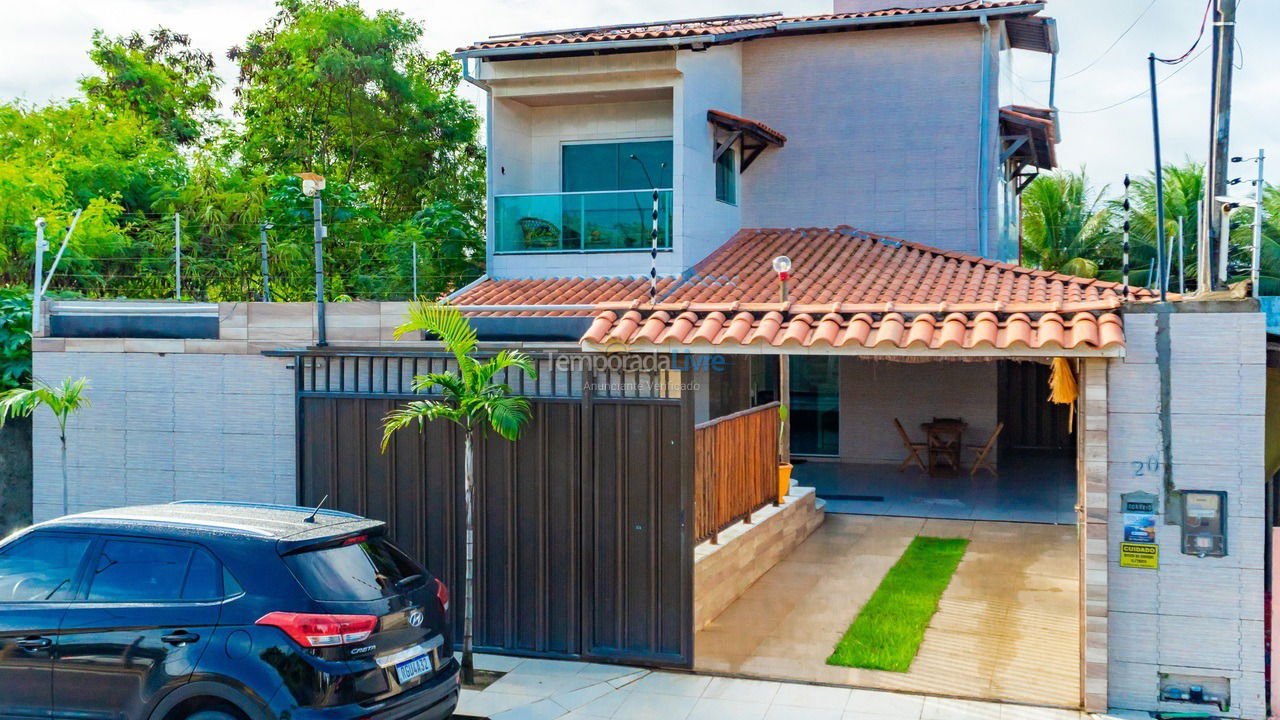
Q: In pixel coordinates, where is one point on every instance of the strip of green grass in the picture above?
(887, 632)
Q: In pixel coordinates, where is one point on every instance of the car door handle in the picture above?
(182, 637)
(34, 643)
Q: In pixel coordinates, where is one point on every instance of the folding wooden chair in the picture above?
(982, 460)
(913, 448)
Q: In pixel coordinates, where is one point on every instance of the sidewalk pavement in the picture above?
(536, 689)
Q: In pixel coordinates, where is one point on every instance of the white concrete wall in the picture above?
(882, 131)
(165, 427)
(873, 393)
(1193, 616)
(710, 80)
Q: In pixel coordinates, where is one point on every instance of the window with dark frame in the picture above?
(727, 177)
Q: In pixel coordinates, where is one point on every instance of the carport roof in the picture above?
(850, 291)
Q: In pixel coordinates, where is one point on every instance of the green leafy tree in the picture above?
(327, 88)
(15, 338)
(474, 397)
(63, 401)
(159, 77)
(1064, 224)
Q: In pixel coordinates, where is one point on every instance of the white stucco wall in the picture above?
(710, 80)
(882, 132)
(166, 427)
(1194, 616)
(873, 393)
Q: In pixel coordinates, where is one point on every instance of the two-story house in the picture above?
(647, 183)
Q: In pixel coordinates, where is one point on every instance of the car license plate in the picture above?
(411, 669)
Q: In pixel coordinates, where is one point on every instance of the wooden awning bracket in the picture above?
(753, 136)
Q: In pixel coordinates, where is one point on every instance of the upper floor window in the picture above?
(611, 166)
(727, 177)
(606, 203)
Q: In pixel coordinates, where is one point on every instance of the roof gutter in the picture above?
(835, 23)
(718, 39)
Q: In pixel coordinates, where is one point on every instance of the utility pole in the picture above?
(1182, 269)
(177, 256)
(37, 289)
(1256, 271)
(266, 278)
(782, 266)
(1158, 264)
(1224, 40)
(415, 270)
(312, 186)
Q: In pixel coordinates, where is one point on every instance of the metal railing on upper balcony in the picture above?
(608, 221)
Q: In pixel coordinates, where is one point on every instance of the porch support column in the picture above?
(784, 395)
(1092, 470)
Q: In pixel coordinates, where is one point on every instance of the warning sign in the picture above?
(1139, 555)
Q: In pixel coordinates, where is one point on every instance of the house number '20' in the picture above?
(1142, 467)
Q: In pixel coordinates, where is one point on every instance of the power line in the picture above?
(1110, 47)
(1144, 93)
(1204, 21)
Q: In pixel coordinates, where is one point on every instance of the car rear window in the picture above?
(366, 570)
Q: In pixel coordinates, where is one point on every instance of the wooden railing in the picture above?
(735, 468)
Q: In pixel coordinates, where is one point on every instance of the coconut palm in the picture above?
(63, 401)
(1064, 224)
(1183, 190)
(473, 397)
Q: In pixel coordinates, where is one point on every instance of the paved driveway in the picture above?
(1007, 626)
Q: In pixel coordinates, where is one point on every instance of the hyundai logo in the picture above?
(415, 618)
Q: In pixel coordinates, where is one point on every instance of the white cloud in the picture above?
(42, 54)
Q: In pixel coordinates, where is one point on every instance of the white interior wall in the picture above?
(873, 393)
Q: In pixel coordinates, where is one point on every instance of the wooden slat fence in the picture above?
(735, 468)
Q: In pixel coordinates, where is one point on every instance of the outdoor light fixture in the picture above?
(311, 183)
(782, 266)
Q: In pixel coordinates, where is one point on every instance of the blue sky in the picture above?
(42, 48)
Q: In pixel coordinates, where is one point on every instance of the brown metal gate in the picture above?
(584, 539)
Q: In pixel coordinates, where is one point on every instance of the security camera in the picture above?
(40, 223)
(309, 188)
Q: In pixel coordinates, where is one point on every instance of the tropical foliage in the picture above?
(474, 396)
(63, 400)
(15, 338)
(324, 87)
(1070, 227)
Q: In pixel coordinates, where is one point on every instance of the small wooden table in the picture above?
(945, 440)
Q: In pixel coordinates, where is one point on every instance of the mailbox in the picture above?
(1204, 523)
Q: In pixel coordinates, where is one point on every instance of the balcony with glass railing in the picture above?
(606, 221)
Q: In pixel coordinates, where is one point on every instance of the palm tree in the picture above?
(1183, 190)
(472, 397)
(1064, 224)
(63, 401)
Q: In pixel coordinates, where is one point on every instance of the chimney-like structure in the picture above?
(861, 6)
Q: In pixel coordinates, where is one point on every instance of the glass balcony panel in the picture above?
(580, 222)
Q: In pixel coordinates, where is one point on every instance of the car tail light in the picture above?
(442, 594)
(311, 630)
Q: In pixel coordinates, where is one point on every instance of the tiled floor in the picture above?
(1036, 488)
(546, 689)
(1006, 627)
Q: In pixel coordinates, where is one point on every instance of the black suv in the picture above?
(220, 611)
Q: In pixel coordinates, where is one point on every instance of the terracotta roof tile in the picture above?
(891, 332)
(761, 24)
(557, 291)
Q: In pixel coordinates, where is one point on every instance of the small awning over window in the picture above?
(755, 136)
(1038, 34)
(1028, 136)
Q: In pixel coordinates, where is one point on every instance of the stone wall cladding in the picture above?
(168, 427)
(1194, 616)
(721, 573)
